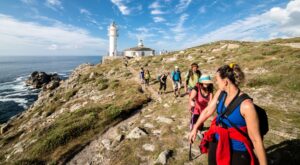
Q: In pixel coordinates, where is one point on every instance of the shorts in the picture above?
(176, 85)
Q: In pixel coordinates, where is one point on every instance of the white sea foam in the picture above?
(17, 100)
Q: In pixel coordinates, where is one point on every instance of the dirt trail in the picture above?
(154, 94)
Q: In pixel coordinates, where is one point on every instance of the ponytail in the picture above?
(233, 72)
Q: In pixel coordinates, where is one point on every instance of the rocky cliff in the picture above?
(102, 115)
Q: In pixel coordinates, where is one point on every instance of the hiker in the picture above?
(147, 77)
(192, 78)
(142, 75)
(230, 138)
(200, 97)
(163, 83)
(176, 77)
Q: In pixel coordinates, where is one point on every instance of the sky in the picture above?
(79, 27)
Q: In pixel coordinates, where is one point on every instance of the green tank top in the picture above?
(192, 82)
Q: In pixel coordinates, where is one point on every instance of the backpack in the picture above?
(198, 72)
(261, 113)
(142, 74)
(173, 74)
(158, 77)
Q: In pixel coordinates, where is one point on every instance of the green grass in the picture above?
(71, 130)
(70, 94)
(265, 80)
(63, 131)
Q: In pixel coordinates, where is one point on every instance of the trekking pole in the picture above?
(191, 127)
(190, 152)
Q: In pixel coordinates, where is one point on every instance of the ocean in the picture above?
(15, 96)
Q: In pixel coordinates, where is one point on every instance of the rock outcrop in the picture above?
(43, 80)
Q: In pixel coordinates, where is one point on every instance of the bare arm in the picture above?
(252, 122)
(205, 114)
(210, 98)
(192, 96)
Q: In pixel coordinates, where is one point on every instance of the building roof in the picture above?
(137, 48)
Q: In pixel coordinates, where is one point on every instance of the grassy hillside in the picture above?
(64, 121)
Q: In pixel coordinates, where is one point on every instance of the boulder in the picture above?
(136, 133)
(4, 128)
(52, 85)
(106, 143)
(42, 80)
(163, 157)
(119, 138)
(149, 125)
(148, 147)
(163, 119)
(92, 75)
(166, 105)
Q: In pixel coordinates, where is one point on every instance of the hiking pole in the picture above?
(191, 127)
(190, 152)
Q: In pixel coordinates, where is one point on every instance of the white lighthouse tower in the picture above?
(113, 35)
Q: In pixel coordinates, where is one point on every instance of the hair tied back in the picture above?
(231, 65)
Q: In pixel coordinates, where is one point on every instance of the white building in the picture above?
(113, 35)
(139, 51)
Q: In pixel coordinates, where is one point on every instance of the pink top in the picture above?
(201, 101)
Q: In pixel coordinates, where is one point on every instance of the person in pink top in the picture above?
(200, 97)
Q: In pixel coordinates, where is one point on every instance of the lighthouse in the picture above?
(113, 35)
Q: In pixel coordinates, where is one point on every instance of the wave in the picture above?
(20, 101)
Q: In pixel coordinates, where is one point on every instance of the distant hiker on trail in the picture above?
(147, 77)
(163, 83)
(235, 131)
(142, 76)
(200, 97)
(192, 77)
(176, 77)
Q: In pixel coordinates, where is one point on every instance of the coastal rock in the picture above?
(163, 119)
(136, 133)
(148, 147)
(52, 85)
(4, 128)
(119, 138)
(163, 157)
(149, 125)
(92, 75)
(42, 80)
(106, 143)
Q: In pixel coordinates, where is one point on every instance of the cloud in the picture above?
(144, 33)
(85, 12)
(274, 23)
(155, 5)
(157, 12)
(158, 19)
(89, 18)
(156, 8)
(54, 4)
(183, 4)
(30, 38)
(122, 7)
